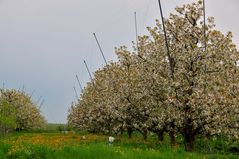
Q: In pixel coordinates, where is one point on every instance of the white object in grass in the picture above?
(111, 139)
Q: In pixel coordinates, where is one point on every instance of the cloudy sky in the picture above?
(43, 42)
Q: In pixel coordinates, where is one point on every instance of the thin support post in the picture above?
(77, 97)
(166, 40)
(79, 83)
(88, 70)
(39, 99)
(3, 85)
(42, 102)
(100, 48)
(32, 93)
(204, 23)
(136, 30)
(23, 89)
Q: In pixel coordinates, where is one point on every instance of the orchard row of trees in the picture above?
(18, 112)
(189, 90)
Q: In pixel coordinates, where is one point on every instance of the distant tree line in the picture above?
(18, 112)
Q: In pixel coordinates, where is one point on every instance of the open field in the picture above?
(71, 145)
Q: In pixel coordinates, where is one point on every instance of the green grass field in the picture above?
(73, 146)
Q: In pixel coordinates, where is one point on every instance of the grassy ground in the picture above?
(71, 145)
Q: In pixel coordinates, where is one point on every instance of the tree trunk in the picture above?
(4, 130)
(172, 138)
(160, 135)
(145, 136)
(189, 142)
(121, 132)
(130, 132)
(1, 129)
(144, 132)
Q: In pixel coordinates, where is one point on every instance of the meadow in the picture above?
(57, 145)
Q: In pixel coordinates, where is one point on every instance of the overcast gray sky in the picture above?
(43, 42)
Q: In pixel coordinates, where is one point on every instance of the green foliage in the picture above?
(7, 114)
(103, 151)
(18, 111)
(61, 128)
(123, 148)
(52, 127)
(3, 150)
(36, 152)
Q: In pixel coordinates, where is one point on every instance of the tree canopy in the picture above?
(18, 111)
(191, 90)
